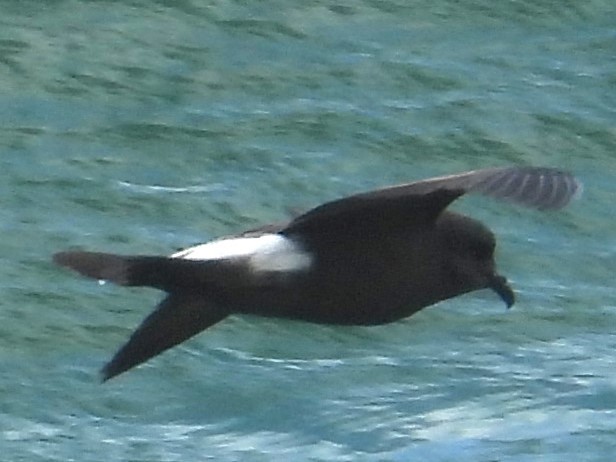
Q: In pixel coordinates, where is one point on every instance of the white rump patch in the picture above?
(266, 253)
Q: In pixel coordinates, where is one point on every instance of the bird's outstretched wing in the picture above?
(536, 187)
(177, 318)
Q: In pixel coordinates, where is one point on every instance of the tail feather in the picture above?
(188, 308)
(163, 273)
(95, 265)
(176, 319)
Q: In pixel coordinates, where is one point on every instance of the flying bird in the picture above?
(366, 259)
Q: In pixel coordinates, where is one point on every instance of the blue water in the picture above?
(142, 127)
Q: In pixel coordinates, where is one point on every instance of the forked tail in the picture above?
(185, 311)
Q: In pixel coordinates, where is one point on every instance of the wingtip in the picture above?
(112, 369)
(571, 190)
(542, 188)
(103, 378)
(105, 374)
(579, 190)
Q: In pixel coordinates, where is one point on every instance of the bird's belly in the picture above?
(352, 283)
(368, 303)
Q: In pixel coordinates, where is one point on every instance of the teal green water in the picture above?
(141, 127)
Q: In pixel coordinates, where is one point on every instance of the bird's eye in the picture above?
(482, 251)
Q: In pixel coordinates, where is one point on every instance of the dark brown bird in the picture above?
(366, 259)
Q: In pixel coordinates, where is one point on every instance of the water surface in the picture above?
(142, 127)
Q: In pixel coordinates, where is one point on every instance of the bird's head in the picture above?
(470, 262)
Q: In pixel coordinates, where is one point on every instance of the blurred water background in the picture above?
(145, 126)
